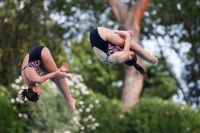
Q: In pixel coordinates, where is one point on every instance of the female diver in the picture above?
(39, 66)
(115, 46)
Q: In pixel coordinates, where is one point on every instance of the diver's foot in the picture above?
(69, 75)
(152, 59)
(64, 67)
(71, 106)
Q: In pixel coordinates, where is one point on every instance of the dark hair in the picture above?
(29, 94)
(133, 62)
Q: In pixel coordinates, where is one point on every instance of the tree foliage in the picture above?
(99, 114)
(156, 115)
(25, 24)
(95, 112)
(159, 82)
(176, 23)
(79, 16)
(51, 113)
(9, 119)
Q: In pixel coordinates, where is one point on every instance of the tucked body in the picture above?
(39, 66)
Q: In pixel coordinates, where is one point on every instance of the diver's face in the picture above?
(37, 89)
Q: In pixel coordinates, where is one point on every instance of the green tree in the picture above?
(10, 122)
(149, 115)
(162, 116)
(176, 23)
(95, 112)
(51, 113)
(25, 24)
(159, 82)
(102, 115)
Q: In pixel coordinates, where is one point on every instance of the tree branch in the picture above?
(138, 10)
(172, 74)
(118, 9)
(190, 37)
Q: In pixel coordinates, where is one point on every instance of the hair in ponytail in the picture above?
(29, 94)
(133, 62)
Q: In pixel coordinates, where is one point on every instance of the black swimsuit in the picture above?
(34, 61)
(105, 46)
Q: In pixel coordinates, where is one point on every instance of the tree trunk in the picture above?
(129, 19)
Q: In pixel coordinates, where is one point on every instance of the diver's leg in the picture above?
(50, 66)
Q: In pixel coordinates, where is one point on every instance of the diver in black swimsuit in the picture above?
(114, 46)
(39, 66)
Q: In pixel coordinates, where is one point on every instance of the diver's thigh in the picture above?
(111, 37)
(47, 60)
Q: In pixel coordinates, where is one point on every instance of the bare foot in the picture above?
(71, 106)
(64, 67)
(152, 59)
(69, 75)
